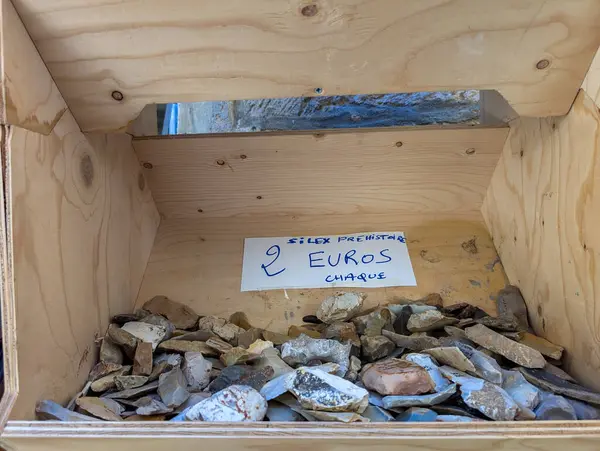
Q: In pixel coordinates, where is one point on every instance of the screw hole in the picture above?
(147, 165)
(259, 197)
(117, 95)
(585, 247)
(220, 162)
(521, 153)
(200, 210)
(318, 90)
(399, 143)
(542, 64)
(243, 157)
(470, 151)
(310, 10)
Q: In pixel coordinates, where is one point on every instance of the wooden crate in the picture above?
(93, 222)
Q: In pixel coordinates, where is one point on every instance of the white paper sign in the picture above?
(368, 260)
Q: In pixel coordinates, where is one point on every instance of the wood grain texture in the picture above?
(434, 171)
(591, 83)
(543, 210)
(509, 436)
(189, 50)
(199, 262)
(84, 222)
(30, 98)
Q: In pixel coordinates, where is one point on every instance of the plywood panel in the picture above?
(30, 98)
(543, 210)
(421, 171)
(591, 84)
(187, 50)
(84, 222)
(199, 262)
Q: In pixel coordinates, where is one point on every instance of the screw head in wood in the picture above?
(147, 165)
(542, 64)
(220, 162)
(399, 143)
(310, 10)
(117, 95)
(470, 151)
(318, 90)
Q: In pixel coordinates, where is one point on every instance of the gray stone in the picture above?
(159, 320)
(219, 345)
(396, 309)
(402, 316)
(376, 347)
(179, 314)
(107, 382)
(526, 395)
(51, 411)
(208, 323)
(419, 400)
(452, 410)
(113, 405)
(148, 333)
(342, 332)
(257, 348)
(98, 408)
(584, 411)
(513, 351)
(246, 338)
(270, 357)
(550, 382)
(489, 399)
(340, 307)
(396, 377)
(429, 363)
(280, 412)
(502, 323)
(235, 356)
(510, 302)
(377, 414)
(318, 390)
(428, 321)
(457, 376)
(275, 338)
(151, 406)
(228, 332)
(455, 332)
(197, 335)
(542, 345)
(304, 349)
(241, 375)
(142, 360)
(417, 344)
(194, 399)
(373, 323)
(233, 404)
(451, 356)
(559, 373)
(240, 319)
(102, 369)
(172, 388)
(196, 370)
(417, 414)
(164, 363)
(456, 419)
(554, 408)
(355, 366)
(110, 352)
(341, 417)
(133, 392)
(183, 346)
(127, 382)
(486, 367)
(122, 338)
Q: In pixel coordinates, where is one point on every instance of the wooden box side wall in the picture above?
(542, 209)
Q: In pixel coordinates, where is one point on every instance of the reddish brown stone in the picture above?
(397, 377)
(142, 361)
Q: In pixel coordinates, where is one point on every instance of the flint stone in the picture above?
(107, 382)
(342, 417)
(113, 406)
(218, 345)
(397, 377)
(584, 411)
(124, 339)
(135, 417)
(550, 382)
(340, 307)
(318, 390)
(526, 395)
(525, 414)
(127, 382)
(554, 408)
(194, 399)
(466, 322)
(133, 392)
(455, 419)
(460, 310)
(452, 410)
(457, 376)
(376, 414)
(455, 332)
(400, 325)
(257, 348)
(275, 338)
(342, 332)
(355, 366)
(142, 360)
(187, 346)
(376, 348)
(127, 317)
(159, 320)
(197, 335)
(417, 344)
(517, 336)
(110, 352)
(208, 323)
(246, 338)
(241, 375)
(151, 406)
(98, 408)
(241, 320)
(430, 365)
(280, 412)
(542, 345)
(428, 321)
(179, 314)
(417, 414)
(503, 323)
(235, 403)
(270, 357)
(510, 302)
(196, 370)
(489, 399)
(235, 356)
(311, 319)
(296, 331)
(164, 363)
(373, 323)
(277, 386)
(452, 356)
(172, 388)
(103, 369)
(304, 349)
(486, 367)
(513, 351)
(51, 411)
(228, 332)
(148, 333)
(419, 400)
